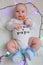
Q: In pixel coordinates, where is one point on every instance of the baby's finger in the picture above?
(19, 26)
(16, 27)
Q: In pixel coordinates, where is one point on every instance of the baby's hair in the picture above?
(21, 4)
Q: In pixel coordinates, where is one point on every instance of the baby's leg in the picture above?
(16, 55)
(12, 46)
(35, 43)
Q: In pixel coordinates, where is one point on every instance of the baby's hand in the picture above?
(27, 22)
(16, 26)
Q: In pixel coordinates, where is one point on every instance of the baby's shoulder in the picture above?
(15, 20)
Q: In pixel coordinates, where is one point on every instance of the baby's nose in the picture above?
(20, 13)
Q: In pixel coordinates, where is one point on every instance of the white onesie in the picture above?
(22, 35)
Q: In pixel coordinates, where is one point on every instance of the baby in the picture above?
(20, 28)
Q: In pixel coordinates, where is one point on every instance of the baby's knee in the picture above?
(11, 45)
(35, 40)
(35, 43)
(11, 42)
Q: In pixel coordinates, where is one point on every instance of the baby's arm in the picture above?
(16, 26)
(9, 25)
(28, 22)
(12, 24)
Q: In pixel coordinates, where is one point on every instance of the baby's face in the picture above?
(20, 10)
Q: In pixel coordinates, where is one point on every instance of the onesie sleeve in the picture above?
(10, 23)
(33, 23)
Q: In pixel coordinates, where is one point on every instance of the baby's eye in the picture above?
(17, 11)
(22, 11)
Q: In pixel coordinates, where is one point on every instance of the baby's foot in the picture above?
(30, 52)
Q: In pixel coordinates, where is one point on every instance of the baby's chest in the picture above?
(22, 36)
(24, 32)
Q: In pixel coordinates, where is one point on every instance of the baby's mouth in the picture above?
(21, 17)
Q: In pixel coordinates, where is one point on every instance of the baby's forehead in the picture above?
(22, 6)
